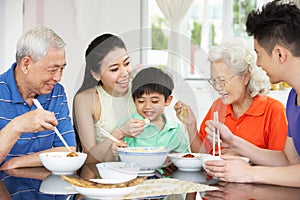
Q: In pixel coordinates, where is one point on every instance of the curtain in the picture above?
(227, 13)
(175, 11)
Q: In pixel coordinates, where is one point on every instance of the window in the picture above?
(205, 25)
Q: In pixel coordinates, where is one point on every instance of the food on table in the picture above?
(72, 154)
(184, 111)
(188, 156)
(147, 121)
(91, 184)
(145, 149)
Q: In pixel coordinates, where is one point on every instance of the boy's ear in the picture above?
(169, 100)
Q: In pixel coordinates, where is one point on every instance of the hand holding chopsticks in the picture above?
(216, 133)
(38, 105)
(107, 134)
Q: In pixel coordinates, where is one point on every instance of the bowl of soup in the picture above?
(62, 162)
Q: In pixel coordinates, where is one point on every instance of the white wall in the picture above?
(78, 22)
(10, 30)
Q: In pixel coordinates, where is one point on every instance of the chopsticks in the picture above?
(216, 133)
(107, 134)
(38, 105)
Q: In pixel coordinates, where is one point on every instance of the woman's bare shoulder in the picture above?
(88, 101)
(86, 94)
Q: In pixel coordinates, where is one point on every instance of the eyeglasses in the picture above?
(220, 82)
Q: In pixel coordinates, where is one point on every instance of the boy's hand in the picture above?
(184, 113)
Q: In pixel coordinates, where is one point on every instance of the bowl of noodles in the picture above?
(149, 158)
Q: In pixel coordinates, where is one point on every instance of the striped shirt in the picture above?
(12, 105)
(29, 188)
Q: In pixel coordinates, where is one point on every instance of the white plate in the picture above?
(104, 192)
(147, 171)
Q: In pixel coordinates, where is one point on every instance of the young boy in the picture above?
(151, 93)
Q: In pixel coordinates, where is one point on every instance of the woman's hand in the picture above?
(116, 145)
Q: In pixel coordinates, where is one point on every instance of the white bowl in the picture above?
(118, 170)
(149, 158)
(59, 163)
(208, 157)
(53, 184)
(185, 163)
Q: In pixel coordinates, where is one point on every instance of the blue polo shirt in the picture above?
(12, 105)
(27, 188)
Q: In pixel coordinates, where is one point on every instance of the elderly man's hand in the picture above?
(35, 121)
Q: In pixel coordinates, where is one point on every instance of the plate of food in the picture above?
(103, 188)
(189, 162)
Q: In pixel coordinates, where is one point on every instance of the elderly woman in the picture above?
(243, 105)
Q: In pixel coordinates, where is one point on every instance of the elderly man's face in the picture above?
(45, 73)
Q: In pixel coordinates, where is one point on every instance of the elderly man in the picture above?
(25, 130)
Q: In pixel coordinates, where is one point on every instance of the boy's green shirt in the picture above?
(171, 137)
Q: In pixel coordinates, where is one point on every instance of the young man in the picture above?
(26, 131)
(276, 31)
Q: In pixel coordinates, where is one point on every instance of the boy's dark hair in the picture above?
(276, 23)
(151, 80)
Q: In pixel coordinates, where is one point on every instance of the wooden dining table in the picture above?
(39, 183)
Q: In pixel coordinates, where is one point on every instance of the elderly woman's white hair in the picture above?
(240, 57)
